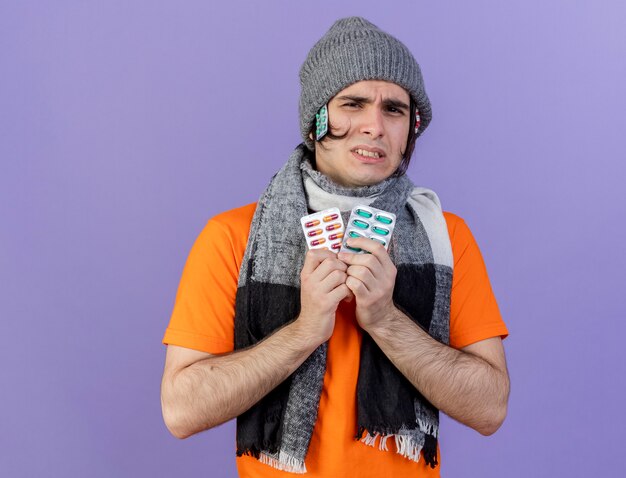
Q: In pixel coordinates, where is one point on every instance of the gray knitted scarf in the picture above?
(277, 430)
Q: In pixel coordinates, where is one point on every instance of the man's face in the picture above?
(375, 116)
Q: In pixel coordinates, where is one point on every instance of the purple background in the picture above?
(125, 125)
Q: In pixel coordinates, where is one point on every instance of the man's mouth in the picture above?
(367, 153)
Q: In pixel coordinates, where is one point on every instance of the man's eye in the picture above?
(351, 105)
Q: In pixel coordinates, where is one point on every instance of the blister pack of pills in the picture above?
(323, 229)
(369, 222)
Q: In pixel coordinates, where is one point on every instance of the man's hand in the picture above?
(471, 386)
(322, 287)
(371, 277)
(200, 391)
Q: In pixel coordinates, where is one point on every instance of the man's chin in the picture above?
(371, 177)
(369, 180)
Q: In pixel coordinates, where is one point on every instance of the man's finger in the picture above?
(314, 258)
(364, 274)
(341, 292)
(369, 245)
(327, 267)
(356, 286)
(370, 261)
(332, 280)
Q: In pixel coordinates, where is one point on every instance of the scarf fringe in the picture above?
(428, 428)
(405, 445)
(284, 462)
(370, 440)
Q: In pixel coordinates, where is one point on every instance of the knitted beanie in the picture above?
(355, 50)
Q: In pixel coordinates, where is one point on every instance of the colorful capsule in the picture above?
(330, 217)
(332, 227)
(336, 245)
(312, 223)
(384, 219)
(354, 234)
(314, 232)
(337, 235)
(364, 213)
(380, 241)
(317, 242)
(360, 224)
(380, 230)
(355, 249)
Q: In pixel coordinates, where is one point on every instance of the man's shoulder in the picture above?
(232, 225)
(241, 216)
(454, 221)
(459, 232)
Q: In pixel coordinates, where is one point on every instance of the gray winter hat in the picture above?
(354, 50)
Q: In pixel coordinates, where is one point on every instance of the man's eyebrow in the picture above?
(356, 99)
(401, 105)
(364, 100)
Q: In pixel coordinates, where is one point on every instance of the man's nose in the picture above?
(373, 122)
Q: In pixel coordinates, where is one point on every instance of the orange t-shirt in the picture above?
(203, 319)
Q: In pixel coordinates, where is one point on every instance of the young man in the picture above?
(318, 354)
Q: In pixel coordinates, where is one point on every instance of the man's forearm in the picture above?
(214, 390)
(464, 386)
